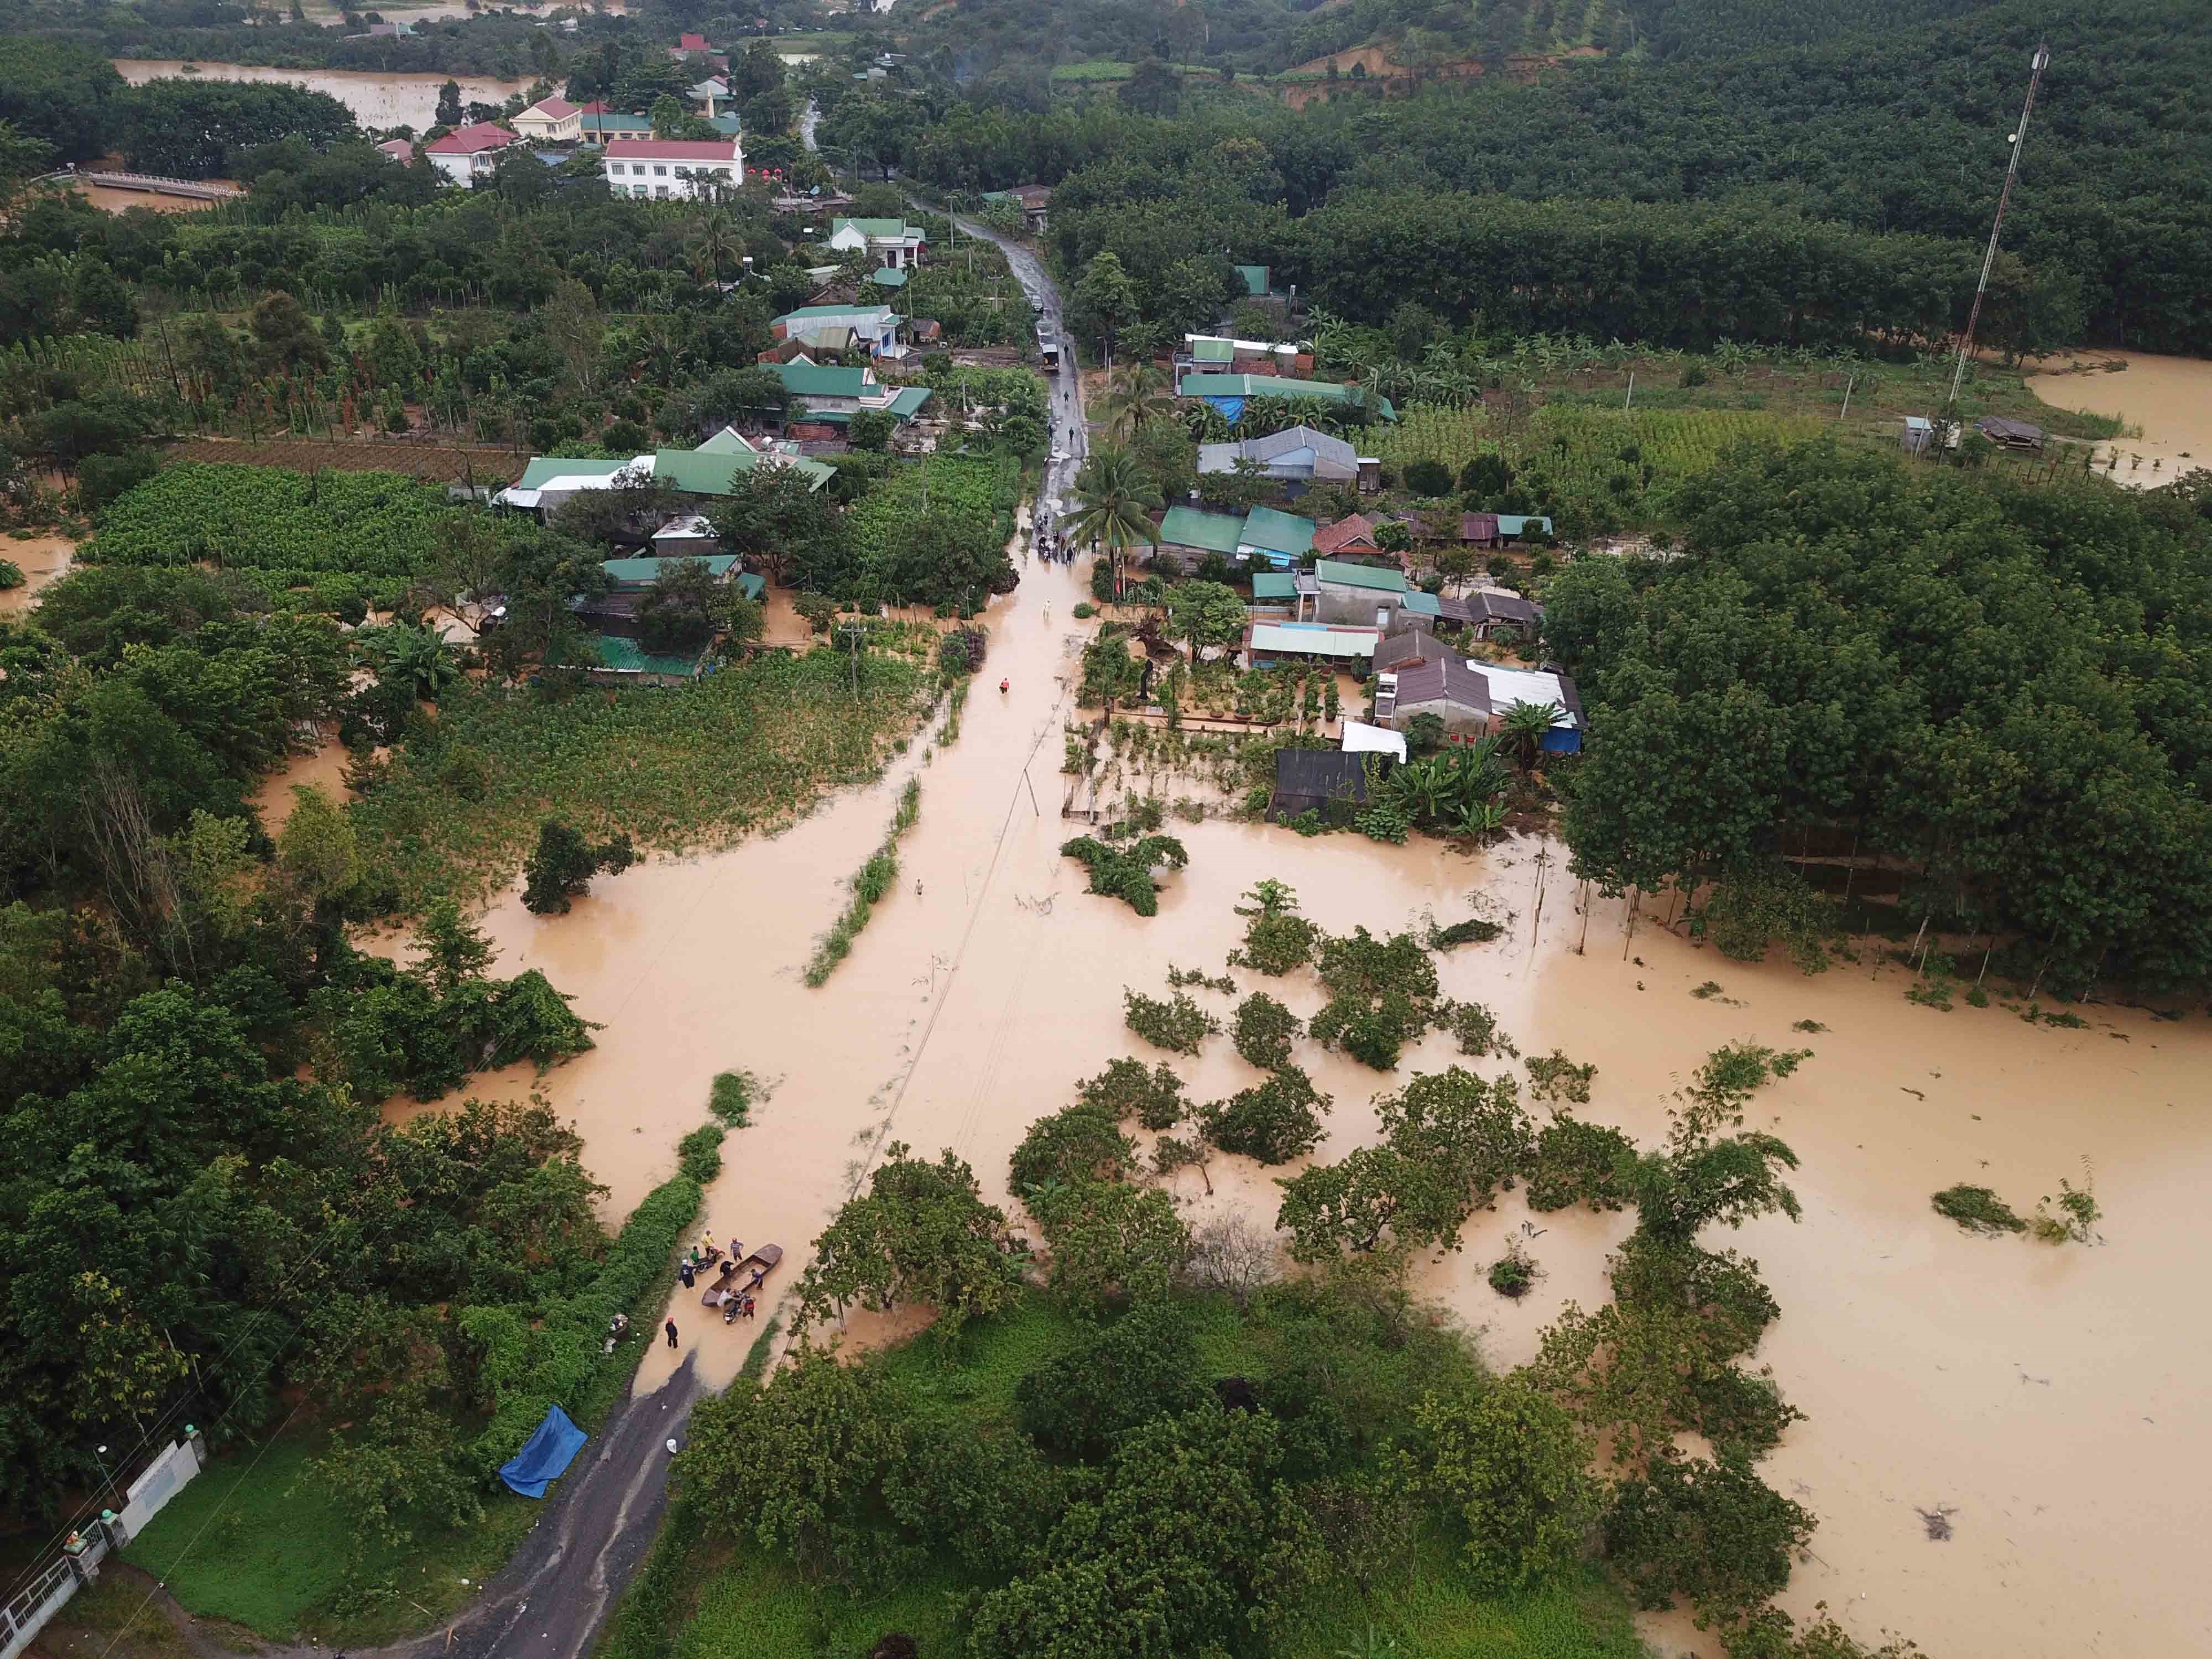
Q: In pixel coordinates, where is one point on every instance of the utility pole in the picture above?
(2004, 197)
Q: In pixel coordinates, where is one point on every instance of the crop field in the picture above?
(743, 750)
(274, 519)
(431, 463)
(1675, 443)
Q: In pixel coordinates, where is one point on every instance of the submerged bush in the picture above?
(1978, 1210)
(1179, 1025)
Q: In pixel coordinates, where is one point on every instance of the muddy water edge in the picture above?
(376, 99)
(2169, 398)
(2043, 1401)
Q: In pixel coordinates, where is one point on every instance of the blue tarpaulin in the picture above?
(544, 1457)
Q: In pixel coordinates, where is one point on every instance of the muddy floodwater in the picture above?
(2049, 1403)
(2170, 399)
(376, 99)
(43, 560)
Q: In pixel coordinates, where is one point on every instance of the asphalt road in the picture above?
(552, 1600)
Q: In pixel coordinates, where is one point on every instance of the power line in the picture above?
(1997, 226)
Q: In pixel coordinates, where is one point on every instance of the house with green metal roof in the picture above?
(711, 473)
(1271, 588)
(1259, 281)
(887, 276)
(1187, 534)
(637, 574)
(1280, 539)
(1229, 392)
(549, 480)
(824, 394)
(891, 242)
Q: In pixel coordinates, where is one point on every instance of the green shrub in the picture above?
(1179, 1025)
(558, 1357)
(1476, 1028)
(699, 1154)
(1579, 1163)
(1275, 1122)
(1141, 1366)
(1082, 1142)
(731, 1098)
(1264, 1031)
(1978, 1210)
(1474, 932)
(1556, 1077)
(1125, 1088)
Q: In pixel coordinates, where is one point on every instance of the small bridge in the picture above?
(198, 190)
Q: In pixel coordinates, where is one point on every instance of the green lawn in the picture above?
(255, 1541)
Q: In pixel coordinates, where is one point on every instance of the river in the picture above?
(376, 99)
(2169, 398)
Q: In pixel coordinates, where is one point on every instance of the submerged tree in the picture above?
(563, 865)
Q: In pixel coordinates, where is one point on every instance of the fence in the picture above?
(49, 1591)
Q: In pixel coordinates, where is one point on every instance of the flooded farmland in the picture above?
(2043, 1400)
(376, 99)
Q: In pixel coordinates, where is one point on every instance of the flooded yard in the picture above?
(43, 560)
(2043, 1400)
(2170, 399)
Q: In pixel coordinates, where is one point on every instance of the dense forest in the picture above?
(1998, 689)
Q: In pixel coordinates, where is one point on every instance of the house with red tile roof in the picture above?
(401, 150)
(672, 168)
(468, 152)
(551, 121)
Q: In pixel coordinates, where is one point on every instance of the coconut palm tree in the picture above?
(1114, 500)
(1523, 728)
(714, 242)
(1139, 393)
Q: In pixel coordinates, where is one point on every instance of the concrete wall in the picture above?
(1356, 606)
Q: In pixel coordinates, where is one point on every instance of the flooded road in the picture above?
(2044, 1398)
(376, 99)
(2169, 398)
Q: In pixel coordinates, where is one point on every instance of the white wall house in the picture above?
(672, 168)
(896, 245)
(551, 121)
(468, 154)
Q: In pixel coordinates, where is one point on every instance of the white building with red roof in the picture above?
(551, 121)
(468, 154)
(672, 168)
(401, 150)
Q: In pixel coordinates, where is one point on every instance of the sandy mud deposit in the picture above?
(2050, 1401)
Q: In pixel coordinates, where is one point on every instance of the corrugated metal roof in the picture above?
(1368, 576)
(820, 381)
(907, 401)
(542, 469)
(1361, 738)
(643, 571)
(1212, 532)
(1275, 585)
(709, 472)
(884, 276)
(1290, 639)
(1213, 351)
(1420, 604)
(1277, 532)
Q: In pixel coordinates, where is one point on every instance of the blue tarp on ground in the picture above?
(544, 1457)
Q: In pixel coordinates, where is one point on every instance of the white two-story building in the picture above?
(672, 168)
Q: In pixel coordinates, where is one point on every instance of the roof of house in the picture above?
(1361, 575)
(616, 652)
(691, 527)
(1361, 738)
(544, 469)
(809, 314)
(1330, 538)
(1444, 678)
(1277, 532)
(1031, 197)
(642, 571)
(907, 401)
(1512, 524)
(1274, 585)
(1478, 526)
(1274, 386)
(728, 442)
(400, 150)
(1321, 774)
(1512, 687)
(709, 472)
(1489, 606)
(1410, 645)
(889, 229)
(1998, 426)
(886, 276)
(1333, 457)
(688, 42)
(821, 381)
(1190, 526)
(598, 118)
(1255, 279)
(728, 124)
(1420, 604)
(671, 150)
(1313, 640)
(711, 88)
(472, 139)
(555, 109)
(1213, 351)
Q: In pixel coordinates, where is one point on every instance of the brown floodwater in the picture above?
(376, 99)
(2170, 399)
(43, 560)
(324, 769)
(2051, 1400)
(110, 199)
